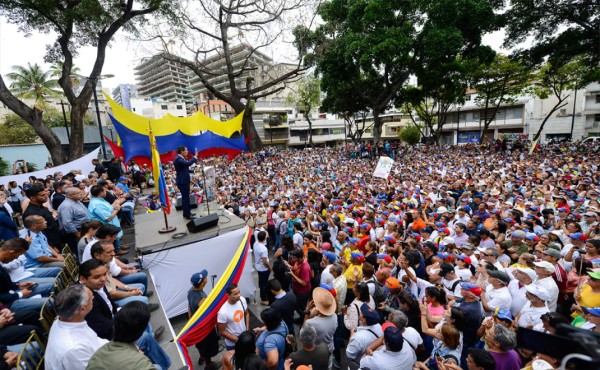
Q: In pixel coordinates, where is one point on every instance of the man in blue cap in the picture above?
(394, 356)
(365, 334)
(209, 346)
(329, 258)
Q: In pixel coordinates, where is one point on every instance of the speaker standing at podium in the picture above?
(182, 166)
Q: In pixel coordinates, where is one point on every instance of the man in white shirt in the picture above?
(544, 270)
(261, 264)
(397, 355)
(233, 317)
(368, 331)
(71, 342)
(496, 294)
(524, 276)
(530, 316)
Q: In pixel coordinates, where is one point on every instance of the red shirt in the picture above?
(302, 271)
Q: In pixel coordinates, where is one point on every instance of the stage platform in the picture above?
(149, 240)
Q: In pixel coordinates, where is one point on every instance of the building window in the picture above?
(597, 98)
(468, 97)
(596, 117)
(179, 106)
(164, 107)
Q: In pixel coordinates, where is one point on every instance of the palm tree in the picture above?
(56, 70)
(32, 82)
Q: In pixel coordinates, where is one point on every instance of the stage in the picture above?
(148, 240)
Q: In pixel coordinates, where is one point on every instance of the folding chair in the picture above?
(61, 281)
(31, 356)
(71, 268)
(66, 251)
(48, 313)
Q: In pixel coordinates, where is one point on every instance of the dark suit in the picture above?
(100, 318)
(285, 306)
(6, 285)
(182, 180)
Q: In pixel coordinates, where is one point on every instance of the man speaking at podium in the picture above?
(182, 166)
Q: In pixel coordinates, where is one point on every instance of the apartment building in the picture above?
(160, 78)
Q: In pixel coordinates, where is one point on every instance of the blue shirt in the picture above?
(38, 248)
(271, 340)
(100, 210)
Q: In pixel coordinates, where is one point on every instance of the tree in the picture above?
(307, 98)
(15, 130)
(5, 168)
(410, 134)
(238, 34)
(557, 81)
(379, 44)
(498, 83)
(32, 82)
(76, 24)
(560, 29)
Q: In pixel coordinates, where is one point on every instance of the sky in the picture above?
(121, 57)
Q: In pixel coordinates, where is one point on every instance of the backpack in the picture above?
(379, 294)
(282, 228)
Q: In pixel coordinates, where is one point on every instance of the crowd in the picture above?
(438, 266)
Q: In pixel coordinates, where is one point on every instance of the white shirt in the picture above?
(70, 345)
(498, 298)
(260, 252)
(326, 277)
(531, 315)
(233, 315)
(552, 289)
(361, 339)
(518, 297)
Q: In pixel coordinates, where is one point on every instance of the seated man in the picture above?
(40, 253)
(19, 273)
(92, 274)
(130, 324)
(121, 294)
(71, 342)
(20, 296)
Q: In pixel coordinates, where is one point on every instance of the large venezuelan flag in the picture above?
(159, 177)
(205, 318)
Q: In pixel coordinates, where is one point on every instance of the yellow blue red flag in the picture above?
(159, 177)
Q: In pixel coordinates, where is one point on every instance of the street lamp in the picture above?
(94, 83)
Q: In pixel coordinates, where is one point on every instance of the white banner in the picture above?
(384, 166)
(84, 164)
(172, 269)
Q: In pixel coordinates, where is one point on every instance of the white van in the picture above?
(591, 140)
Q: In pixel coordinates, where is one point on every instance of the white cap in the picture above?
(526, 270)
(538, 291)
(546, 265)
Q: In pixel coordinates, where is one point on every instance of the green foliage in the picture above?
(366, 50)
(16, 130)
(497, 83)
(410, 135)
(5, 168)
(308, 95)
(32, 82)
(560, 29)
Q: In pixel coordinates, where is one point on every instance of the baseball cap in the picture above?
(578, 236)
(467, 246)
(392, 283)
(370, 315)
(386, 325)
(518, 234)
(500, 275)
(538, 291)
(552, 252)
(545, 265)
(503, 313)
(393, 339)
(594, 274)
(326, 246)
(353, 240)
(198, 277)
(386, 257)
(591, 311)
(330, 256)
(448, 240)
(473, 288)
(464, 257)
(528, 271)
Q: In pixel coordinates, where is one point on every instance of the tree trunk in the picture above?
(78, 112)
(248, 128)
(556, 107)
(310, 138)
(377, 125)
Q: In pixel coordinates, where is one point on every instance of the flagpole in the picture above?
(154, 153)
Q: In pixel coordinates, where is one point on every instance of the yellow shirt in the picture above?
(349, 275)
(587, 298)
